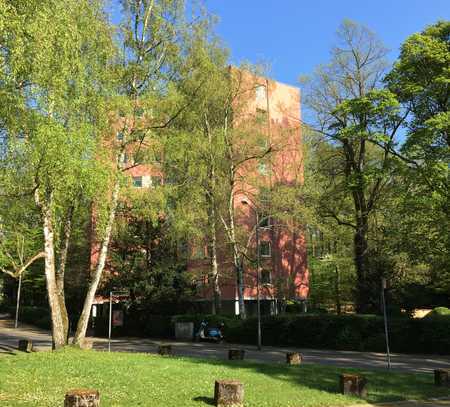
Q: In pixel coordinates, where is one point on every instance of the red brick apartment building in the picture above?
(283, 272)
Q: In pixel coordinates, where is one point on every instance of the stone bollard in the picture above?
(228, 393)
(236, 354)
(25, 345)
(353, 384)
(82, 398)
(442, 377)
(165, 350)
(293, 358)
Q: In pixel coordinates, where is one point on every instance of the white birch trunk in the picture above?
(60, 271)
(83, 321)
(59, 339)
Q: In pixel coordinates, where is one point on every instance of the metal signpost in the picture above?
(386, 333)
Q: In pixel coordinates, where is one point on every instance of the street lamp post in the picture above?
(110, 321)
(258, 299)
(386, 333)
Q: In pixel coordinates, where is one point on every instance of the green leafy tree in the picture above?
(360, 120)
(420, 78)
(52, 60)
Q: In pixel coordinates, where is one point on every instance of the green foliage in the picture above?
(37, 316)
(419, 225)
(347, 332)
(439, 312)
(317, 331)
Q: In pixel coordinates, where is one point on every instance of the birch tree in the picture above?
(155, 38)
(52, 59)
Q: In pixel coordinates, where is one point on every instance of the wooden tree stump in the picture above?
(353, 384)
(236, 354)
(442, 377)
(165, 350)
(293, 358)
(82, 398)
(86, 344)
(25, 345)
(228, 393)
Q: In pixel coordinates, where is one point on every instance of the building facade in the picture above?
(273, 110)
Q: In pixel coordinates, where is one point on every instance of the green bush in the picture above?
(439, 312)
(346, 332)
(38, 316)
(320, 331)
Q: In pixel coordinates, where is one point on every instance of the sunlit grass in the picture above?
(131, 379)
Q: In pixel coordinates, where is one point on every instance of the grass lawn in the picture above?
(132, 379)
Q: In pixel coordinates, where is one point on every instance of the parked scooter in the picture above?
(207, 333)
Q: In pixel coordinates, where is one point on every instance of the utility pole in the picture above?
(110, 321)
(258, 266)
(386, 333)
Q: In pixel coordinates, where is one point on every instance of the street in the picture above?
(366, 360)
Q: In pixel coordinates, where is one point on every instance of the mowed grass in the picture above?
(132, 379)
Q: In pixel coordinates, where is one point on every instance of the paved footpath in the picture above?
(400, 362)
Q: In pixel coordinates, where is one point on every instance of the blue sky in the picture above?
(294, 36)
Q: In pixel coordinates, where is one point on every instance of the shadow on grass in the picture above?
(7, 350)
(206, 400)
(382, 386)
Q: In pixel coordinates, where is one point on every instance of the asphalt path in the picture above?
(9, 337)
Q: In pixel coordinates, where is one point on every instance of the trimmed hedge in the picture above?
(37, 316)
(342, 332)
(320, 331)
(439, 312)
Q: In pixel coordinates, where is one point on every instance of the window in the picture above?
(261, 116)
(263, 143)
(264, 221)
(266, 277)
(262, 168)
(265, 249)
(137, 182)
(198, 252)
(261, 94)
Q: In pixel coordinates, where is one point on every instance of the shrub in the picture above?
(346, 332)
(439, 312)
(38, 316)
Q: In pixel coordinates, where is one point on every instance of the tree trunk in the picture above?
(338, 290)
(210, 195)
(237, 263)
(58, 336)
(360, 251)
(216, 302)
(62, 267)
(89, 299)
